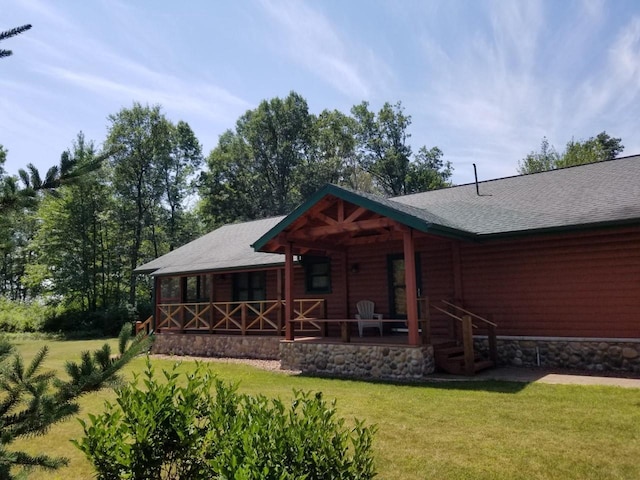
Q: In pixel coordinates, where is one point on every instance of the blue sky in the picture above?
(482, 80)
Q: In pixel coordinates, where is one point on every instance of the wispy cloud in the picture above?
(78, 59)
(619, 84)
(311, 40)
(520, 79)
(187, 97)
(68, 77)
(486, 91)
(46, 11)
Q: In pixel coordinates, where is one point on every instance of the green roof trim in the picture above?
(410, 216)
(560, 229)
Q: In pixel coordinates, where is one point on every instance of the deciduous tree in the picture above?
(152, 169)
(384, 151)
(428, 171)
(71, 245)
(261, 168)
(595, 149)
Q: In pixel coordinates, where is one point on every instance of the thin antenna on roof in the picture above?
(475, 172)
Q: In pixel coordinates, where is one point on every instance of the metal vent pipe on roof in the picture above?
(475, 173)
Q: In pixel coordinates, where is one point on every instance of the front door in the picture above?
(397, 285)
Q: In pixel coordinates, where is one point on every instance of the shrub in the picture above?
(21, 316)
(171, 431)
(108, 321)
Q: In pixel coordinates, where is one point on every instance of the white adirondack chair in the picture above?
(366, 316)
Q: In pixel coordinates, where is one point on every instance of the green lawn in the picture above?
(453, 430)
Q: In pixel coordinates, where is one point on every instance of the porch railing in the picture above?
(264, 316)
(144, 326)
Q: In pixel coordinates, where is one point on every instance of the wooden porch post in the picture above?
(457, 271)
(288, 291)
(458, 288)
(411, 286)
(212, 298)
(154, 299)
(279, 298)
(345, 277)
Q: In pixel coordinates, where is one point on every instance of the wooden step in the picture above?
(449, 351)
(483, 364)
(455, 364)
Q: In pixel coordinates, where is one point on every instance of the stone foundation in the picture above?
(207, 345)
(383, 362)
(402, 362)
(598, 355)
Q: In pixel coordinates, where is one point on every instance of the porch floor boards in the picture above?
(396, 339)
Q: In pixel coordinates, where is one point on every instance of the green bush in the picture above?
(202, 428)
(108, 321)
(21, 316)
(37, 317)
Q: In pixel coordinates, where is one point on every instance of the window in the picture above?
(169, 290)
(317, 274)
(197, 289)
(248, 286)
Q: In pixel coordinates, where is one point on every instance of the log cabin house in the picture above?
(531, 270)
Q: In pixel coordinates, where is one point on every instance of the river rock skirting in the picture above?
(598, 355)
(206, 345)
(383, 362)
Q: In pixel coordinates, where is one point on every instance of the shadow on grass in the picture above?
(462, 383)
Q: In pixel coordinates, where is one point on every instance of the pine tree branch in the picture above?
(29, 405)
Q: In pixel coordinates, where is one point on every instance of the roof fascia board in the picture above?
(246, 268)
(555, 230)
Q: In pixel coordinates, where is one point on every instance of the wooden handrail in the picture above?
(468, 313)
(467, 335)
(467, 344)
(451, 314)
(144, 326)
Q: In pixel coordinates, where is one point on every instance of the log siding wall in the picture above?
(570, 285)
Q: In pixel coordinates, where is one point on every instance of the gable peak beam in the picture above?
(357, 213)
(307, 244)
(369, 239)
(300, 223)
(340, 210)
(357, 226)
(325, 218)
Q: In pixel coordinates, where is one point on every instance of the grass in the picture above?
(453, 430)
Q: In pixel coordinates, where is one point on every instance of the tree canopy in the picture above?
(279, 154)
(595, 149)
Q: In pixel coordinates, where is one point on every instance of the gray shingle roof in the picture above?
(576, 196)
(605, 192)
(226, 248)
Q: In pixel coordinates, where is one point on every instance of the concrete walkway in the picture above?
(525, 375)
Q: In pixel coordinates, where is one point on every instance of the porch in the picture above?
(324, 346)
(339, 251)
